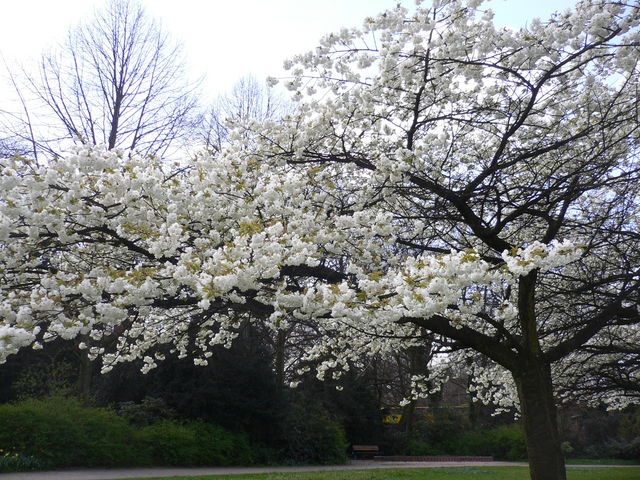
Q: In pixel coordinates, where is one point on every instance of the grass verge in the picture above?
(601, 461)
(450, 473)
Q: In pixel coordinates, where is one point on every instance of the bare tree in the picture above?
(248, 100)
(117, 80)
(10, 146)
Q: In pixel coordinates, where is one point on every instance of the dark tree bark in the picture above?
(539, 417)
(280, 356)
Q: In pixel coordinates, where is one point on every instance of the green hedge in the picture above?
(194, 443)
(505, 442)
(60, 432)
(311, 436)
(63, 433)
(13, 461)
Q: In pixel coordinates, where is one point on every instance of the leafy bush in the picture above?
(619, 448)
(599, 434)
(60, 432)
(504, 442)
(195, 443)
(440, 426)
(507, 442)
(66, 434)
(41, 380)
(630, 424)
(418, 447)
(626, 449)
(149, 410)
(312, 436)
(13, 461)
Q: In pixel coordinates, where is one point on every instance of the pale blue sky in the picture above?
(225, 39)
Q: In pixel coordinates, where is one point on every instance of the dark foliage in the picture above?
(237, 390)
(65, 434)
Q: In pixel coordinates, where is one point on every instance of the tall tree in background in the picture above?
(10, 146)
(117, 80)
(248, 101)
(252, 101)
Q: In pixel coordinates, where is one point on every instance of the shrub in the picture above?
(60, 432)
(630, 424)
(626, 449)
(312, 436)
(41, 380)
(507, 442)
(435, 433)
(149, 410)
(619, 448)
(418, 447)
(64, 433)
(13, 461)
(440, 426)
(195, 443)
(504, 442)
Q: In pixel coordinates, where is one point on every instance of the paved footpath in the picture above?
(105, 474)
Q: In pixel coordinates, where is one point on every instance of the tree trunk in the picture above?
(406, 421)
(85, 377)
(419, 357)
(539, 416)
(281, 340)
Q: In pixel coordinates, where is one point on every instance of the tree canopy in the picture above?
(117, 79)
(440, 177)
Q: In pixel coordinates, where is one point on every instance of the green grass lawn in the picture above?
(452, 473)
(600, 461)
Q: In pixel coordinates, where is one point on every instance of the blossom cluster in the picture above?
(102, 243)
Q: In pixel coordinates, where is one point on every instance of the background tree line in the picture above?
(120, 80)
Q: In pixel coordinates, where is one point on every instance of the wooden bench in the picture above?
(364, 452)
